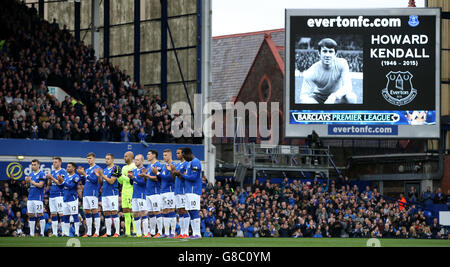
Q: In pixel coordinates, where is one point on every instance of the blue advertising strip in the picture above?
(381, 130)
(354, 117)
(19, 170)
(51, 148)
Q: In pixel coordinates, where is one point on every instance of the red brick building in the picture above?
(257, 75)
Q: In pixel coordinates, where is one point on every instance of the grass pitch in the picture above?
(213, 242)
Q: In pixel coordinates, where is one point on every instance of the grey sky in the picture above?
(240, 16)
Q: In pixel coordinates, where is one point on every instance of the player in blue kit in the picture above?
(35, 204)
(90, 194)
(153, 197)
(110, 195)
(180, 197)
(56, 199)
(137, 178)
(192, 188)
(70, 207)
(168, 195)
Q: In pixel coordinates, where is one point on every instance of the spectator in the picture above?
(427, 197)
(219, 230)
(4, 230)
(207, 233)
(435, 228)
(448, 198)
(412, 194)
(439, 197)
(402, 202)
(239, 232)
(284, 230)
(318, 234)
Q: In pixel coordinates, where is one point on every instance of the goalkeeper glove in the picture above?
(116, 171)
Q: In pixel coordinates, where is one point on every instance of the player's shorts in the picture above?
(192, 202)
(168, 200)
(138, 205)
(56, 204)
(70, 208)
(180, 201)
(110, 203)
(90, 203)
(127, 201)
(35, 207)
(154, 203)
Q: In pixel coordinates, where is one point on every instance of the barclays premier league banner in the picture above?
(372, 73)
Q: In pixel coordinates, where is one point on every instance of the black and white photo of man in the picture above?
(328, 81)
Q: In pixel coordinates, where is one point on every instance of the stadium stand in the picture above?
(300, 208)
(104, 104)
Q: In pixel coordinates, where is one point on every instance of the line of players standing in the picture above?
(153, 194)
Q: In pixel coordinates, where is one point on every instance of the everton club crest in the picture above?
(399, 90)
(414, 21)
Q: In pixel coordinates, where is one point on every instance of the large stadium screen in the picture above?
(372, 73)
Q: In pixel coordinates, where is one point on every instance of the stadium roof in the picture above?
(233, 56)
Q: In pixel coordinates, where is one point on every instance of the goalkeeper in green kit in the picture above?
(127, 191)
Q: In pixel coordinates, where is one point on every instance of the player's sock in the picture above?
(65, 225)
(173, 222)
(144, 225)
(108, 224)
(89, 224)
(134, 224)
(187, 220)
(42, 225)
(159, 223)
(180, 222)
(55, 225)
(166, 222)
(97, 223)
(137, 222)
(127, 223)
(197, 227)
(152, 224)
(195, 222)
(76, 222)
(32, 223)
(116, 220)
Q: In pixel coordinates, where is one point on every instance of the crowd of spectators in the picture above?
(311, 209)
(290, 209)
(104, 103)
(306, 58)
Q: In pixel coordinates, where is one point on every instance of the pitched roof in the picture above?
(276, 52)
(233, 56)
